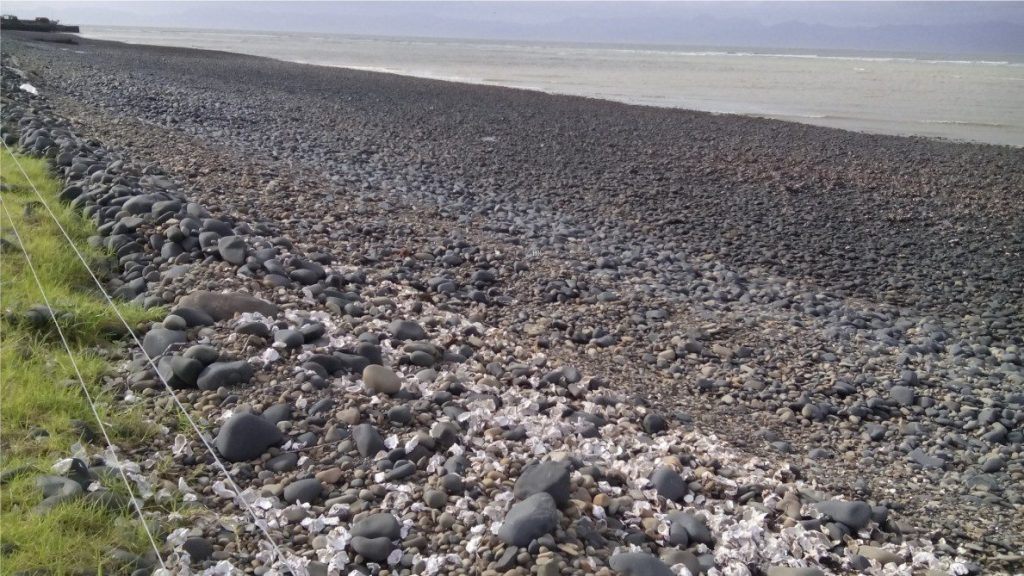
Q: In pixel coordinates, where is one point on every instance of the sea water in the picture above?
(971, 98)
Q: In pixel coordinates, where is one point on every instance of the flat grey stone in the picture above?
(854, 514)
(221, 306)
(903, 395)
(925, 459)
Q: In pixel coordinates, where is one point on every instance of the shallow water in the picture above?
(952, 97)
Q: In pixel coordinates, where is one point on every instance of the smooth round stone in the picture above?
(452, 484)
(158, 340)
(529, 519)
(407, 330)
(186, 369)
(435, 499)
(421, 358)
(307, 490)
(381, 380)
(380, 525)
(174, 322)
(400, 414)
(245, 436)
(654, 423)
(669, 484)
(203, 353)
(402, 469)
(373, 549)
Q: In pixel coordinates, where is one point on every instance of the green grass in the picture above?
(39, 389)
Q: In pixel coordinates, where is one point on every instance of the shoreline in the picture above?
(943, 130)
(692, 267)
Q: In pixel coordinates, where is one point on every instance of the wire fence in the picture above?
(257, 521)
(85, 387)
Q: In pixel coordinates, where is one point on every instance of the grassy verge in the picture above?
(41, 402)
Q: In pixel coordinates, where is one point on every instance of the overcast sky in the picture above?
(985, 26)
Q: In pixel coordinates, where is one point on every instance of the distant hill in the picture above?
(973, 38)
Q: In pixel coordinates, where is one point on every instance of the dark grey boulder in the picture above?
(245, 436)
(221, 306)
(224, 374)
(158, 340)
(550, 477)
(530, 519)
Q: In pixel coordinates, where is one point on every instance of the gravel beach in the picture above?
(488, 331)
